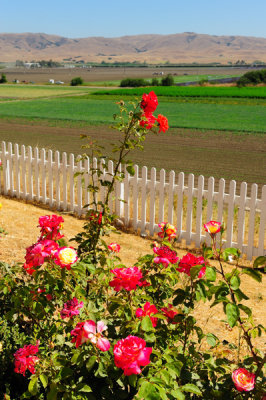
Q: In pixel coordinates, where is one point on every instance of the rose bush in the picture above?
(78, 324)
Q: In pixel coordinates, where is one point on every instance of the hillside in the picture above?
(184, 47)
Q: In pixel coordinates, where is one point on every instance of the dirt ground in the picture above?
(20, 220)
(186, 150)
(42, 75)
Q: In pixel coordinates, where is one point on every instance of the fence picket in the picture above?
(230, 217)
(110, 177)
(180, 191)
(144, 173)
(126, 198)
(161, 195)
(86, 183)
(79, 188)
(152, 200)
(50, 177)
(5, 168)
(210, 205)
(64, 171)
(30, 174)
(57, 179)
(17, 170)
(199, 210)
(171, 196)
(135, 198)
(262, 223)
(253, 200)
(24, 172)
(36, 172)
(241, 216)
(11, 174)
(189, 207)
(71, 183)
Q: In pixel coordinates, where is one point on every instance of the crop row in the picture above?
(183, 91)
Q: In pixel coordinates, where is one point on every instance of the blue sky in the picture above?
(113, 18)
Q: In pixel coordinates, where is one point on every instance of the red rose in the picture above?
(149, 102)
(163, 123)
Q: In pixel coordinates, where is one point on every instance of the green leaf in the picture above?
(132, 380)
(84, 388)
(180, 297)
(52, 395)
(246, 309)
(211, 339)
(175, 366)
(44, 380)
(235, 282)
(131, 170)
(147, 391)
(194, 271)
(177, 394)
(189, 387)
(90, 363)
(230, 251)
(253, 274)
(232, 312)
(261, 260)
(210, 274)
(33, 386)
(146, 324)
(65, 372)
(240, 295)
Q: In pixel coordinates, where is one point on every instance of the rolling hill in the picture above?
(177, 48)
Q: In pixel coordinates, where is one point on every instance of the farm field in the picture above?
(106, 74)
(29, 92)
(171, 91)
(248, 118)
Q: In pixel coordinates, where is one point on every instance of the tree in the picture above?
(3, 79)
(76, 81)
(168, 80)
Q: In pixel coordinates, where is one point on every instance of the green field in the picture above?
(247, 118)
(183, 91)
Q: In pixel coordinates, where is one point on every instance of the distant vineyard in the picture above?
(245, 92)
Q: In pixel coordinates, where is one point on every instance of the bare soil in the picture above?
(42, 75)
(21, 219)
(209, 153)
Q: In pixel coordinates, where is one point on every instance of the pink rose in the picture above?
(165, 256)
(243, 379)
(50, 226)
(25, 359)
(71, 308)
(148, 309)
(89, 331)
(114, 247)
(130, 354)
(212, 227)
(38, 253)
(127, 278)
(65, 257)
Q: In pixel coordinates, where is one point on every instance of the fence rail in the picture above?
(48, 177)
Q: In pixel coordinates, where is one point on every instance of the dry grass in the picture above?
(20, 220)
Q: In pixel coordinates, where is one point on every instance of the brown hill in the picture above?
(177, 48)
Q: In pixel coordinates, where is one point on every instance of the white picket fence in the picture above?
(48, 177)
